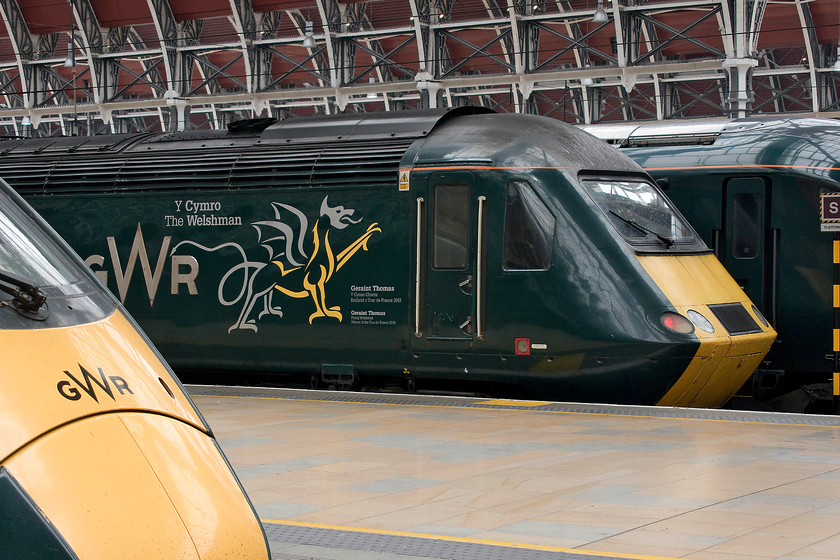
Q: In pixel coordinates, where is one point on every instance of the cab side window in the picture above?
(451, 226)
(529, 230)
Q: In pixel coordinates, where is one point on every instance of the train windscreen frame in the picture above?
(640, 212)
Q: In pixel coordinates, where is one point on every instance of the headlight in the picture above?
(698, 319)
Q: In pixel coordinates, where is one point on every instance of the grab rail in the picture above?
(479, 270)
(417, 264)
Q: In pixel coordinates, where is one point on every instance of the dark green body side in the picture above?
(27, 533)
(754, 197)
(259, 279)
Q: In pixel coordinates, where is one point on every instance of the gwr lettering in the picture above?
(138, 249)
(71, 393)
(183, 268)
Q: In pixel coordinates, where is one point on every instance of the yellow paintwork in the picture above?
(138, 486)
(34, 362)
(133, 474)
(722, 363)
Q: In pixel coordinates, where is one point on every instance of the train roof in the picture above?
(519, 141)
(336, 151)
(350, 127)
(710, 131)
(804, 146)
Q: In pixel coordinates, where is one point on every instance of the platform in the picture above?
(402, 477)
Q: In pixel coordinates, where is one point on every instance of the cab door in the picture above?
(746, 243)
(448, 284)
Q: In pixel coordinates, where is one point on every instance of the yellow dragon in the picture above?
(323, 262)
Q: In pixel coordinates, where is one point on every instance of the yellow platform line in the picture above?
(450, 538)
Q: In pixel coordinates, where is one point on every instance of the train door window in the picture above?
(529, 229)
(451, 226)
(746, 234)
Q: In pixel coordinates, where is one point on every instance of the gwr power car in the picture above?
(752, 188)
(433, 247)
(102, 453)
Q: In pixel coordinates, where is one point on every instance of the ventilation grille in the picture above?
(331, 165)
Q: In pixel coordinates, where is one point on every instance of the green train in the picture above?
(509, 254)
(752, 189)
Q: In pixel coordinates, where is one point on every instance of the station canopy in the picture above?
(98, 66)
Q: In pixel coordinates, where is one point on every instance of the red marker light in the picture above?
(676, 323)
(523, 346)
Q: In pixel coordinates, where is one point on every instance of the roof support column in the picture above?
(740, 67)
(245, 24)
(421, 27)
(331, 22)
(22, 44)
(812, 50)
(429, 90)
(741, 96)
(167, 30)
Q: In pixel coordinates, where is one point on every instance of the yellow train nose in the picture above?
(138, 486)
(733, 340)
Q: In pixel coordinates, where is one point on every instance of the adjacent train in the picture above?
(102, 453)
(500, 254)
(752, 188)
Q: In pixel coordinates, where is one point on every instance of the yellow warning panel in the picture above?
(404, 179)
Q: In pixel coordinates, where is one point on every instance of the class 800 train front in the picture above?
(102, 453)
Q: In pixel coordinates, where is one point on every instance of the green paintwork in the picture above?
(785, 165)
(27, 534)
(240, 277)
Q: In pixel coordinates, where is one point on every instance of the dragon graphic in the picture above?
(323, 262)
(291, 269)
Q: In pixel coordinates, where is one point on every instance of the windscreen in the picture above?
(26, 254)
(640, 212)
(39, 281)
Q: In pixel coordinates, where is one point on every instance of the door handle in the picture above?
(466, 284)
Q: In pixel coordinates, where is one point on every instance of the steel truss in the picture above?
(648, 60)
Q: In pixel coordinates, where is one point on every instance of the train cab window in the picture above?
(640, 213)
(529, 230)
(24, 253)
(746, 220)
(39, 280)
(452, 226)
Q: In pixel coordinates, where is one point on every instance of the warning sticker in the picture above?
(404, 179)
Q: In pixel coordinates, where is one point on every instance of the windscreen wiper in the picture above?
(663, 238)
(27, 299)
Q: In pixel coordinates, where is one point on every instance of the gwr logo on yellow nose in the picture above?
(71, 393)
